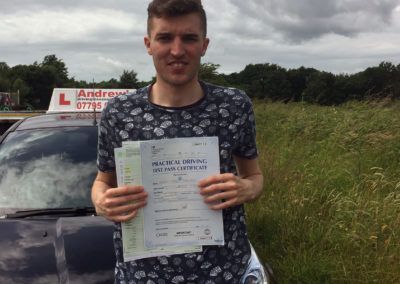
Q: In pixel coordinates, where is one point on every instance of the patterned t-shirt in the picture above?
(223, 112)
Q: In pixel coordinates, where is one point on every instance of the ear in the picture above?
(205, 45)
(147, 44)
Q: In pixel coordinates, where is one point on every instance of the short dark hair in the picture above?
(174, 8)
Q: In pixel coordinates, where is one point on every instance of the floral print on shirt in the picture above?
(223, 112)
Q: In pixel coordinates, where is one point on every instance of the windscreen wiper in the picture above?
(63, 212)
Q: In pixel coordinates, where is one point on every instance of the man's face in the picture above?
(176, 44)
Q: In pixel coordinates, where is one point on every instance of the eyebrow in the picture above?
(162, 33)
(188, 34)
(191, 35)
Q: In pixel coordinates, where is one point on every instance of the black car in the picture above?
(48, 229)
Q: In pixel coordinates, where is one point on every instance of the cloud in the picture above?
(99, 38)
(96, 39)
(111, 62)
(298, 21)
(11, 7)
(31, 27)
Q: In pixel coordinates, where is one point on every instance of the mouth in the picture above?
(177, 67)
(177, 64)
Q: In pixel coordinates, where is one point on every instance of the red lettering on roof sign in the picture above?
(82, 94)
(63, 101)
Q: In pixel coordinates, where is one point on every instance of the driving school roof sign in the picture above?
(82, 100)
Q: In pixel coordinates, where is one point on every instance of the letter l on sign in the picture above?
(63, 101)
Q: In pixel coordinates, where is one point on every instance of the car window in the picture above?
(48, 168)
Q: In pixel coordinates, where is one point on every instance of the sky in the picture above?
(98, 39)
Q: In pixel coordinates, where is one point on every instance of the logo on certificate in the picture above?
(207, 231)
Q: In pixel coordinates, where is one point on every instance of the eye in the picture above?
(163, 38)
(190, 38)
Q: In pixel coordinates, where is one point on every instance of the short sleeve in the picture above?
(247, 147)
(105, 145)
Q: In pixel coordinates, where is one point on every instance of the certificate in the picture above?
(176, 213)
(128, 169)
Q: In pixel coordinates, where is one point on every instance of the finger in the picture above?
(125, 209)
(216, 187)
(224, 205)
(125, 190)
(116, 201)
(220, 196)
(123, 218)
(216, 179)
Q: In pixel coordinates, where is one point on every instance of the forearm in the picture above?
(254, 186)
(98, 190)
(250, 173)
(101, 184)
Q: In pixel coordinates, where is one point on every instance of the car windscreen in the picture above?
(48, 168)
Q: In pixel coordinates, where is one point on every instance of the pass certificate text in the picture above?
(176, 214)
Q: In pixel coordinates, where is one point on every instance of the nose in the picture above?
(177, 47)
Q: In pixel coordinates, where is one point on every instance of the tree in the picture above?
(325, 88)
(4, 69)
(60, 69)
(208, 72)
(142, 84)
(110, 84)
(20, 87)
(42, 80)
(80, 84)
(265, 81)
(4, 84)
(298, 79)
(381, 80)
(128, 80)
(36, 81)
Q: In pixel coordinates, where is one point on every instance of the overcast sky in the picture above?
(98, 39)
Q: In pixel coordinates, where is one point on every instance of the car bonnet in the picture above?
(56, 250)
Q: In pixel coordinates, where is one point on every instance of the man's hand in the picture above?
(117, 204)
(122, 203)
(226, 190)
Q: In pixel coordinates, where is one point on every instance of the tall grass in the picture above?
(330, 212)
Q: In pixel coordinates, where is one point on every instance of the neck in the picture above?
(175, 96)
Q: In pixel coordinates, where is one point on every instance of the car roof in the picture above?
(51, 120)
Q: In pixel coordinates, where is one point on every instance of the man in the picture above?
(179, 105)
